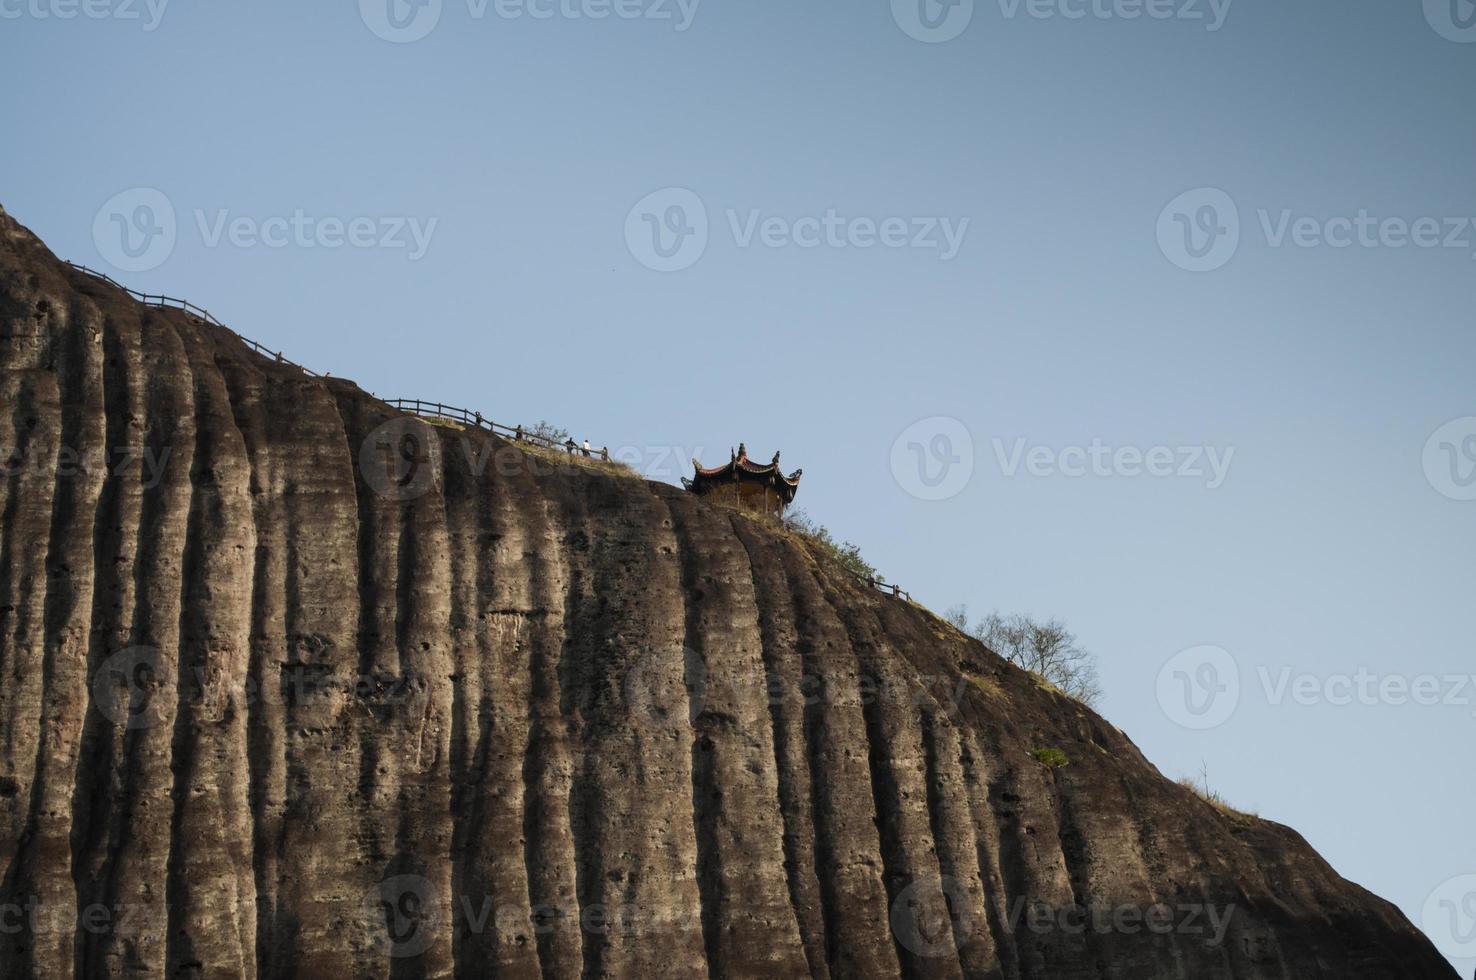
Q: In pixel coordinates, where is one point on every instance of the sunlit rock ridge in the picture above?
(266, 714)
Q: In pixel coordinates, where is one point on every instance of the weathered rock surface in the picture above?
(266, 711)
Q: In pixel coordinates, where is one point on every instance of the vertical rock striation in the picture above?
(292, 685)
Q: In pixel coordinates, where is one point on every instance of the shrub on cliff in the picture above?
(845, 553)
(547, 431)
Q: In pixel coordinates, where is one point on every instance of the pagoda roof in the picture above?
(742, 469)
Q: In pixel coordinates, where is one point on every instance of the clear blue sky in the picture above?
(1061, 319)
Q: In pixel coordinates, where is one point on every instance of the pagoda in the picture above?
(760, 487)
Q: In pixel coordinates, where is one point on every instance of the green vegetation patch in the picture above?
(1054, 758)
(845, 554)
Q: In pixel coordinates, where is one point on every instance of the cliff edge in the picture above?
(294, 685)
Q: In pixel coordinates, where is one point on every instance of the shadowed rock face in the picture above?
(274, 703)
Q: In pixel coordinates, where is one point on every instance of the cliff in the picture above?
(293, 685)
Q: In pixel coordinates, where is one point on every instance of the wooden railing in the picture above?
(891, 590)
(198, 312)
(149, 299)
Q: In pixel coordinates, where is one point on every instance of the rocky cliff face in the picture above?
(291, 685)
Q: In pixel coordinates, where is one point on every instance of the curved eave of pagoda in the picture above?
(746, 472)
(727, 472)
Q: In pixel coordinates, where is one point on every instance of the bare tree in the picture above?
(1046, 648)
(547, 431)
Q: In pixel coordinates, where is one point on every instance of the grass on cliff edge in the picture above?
(614, 467)
(555, 457)
(844, 553)
(1214, 799)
